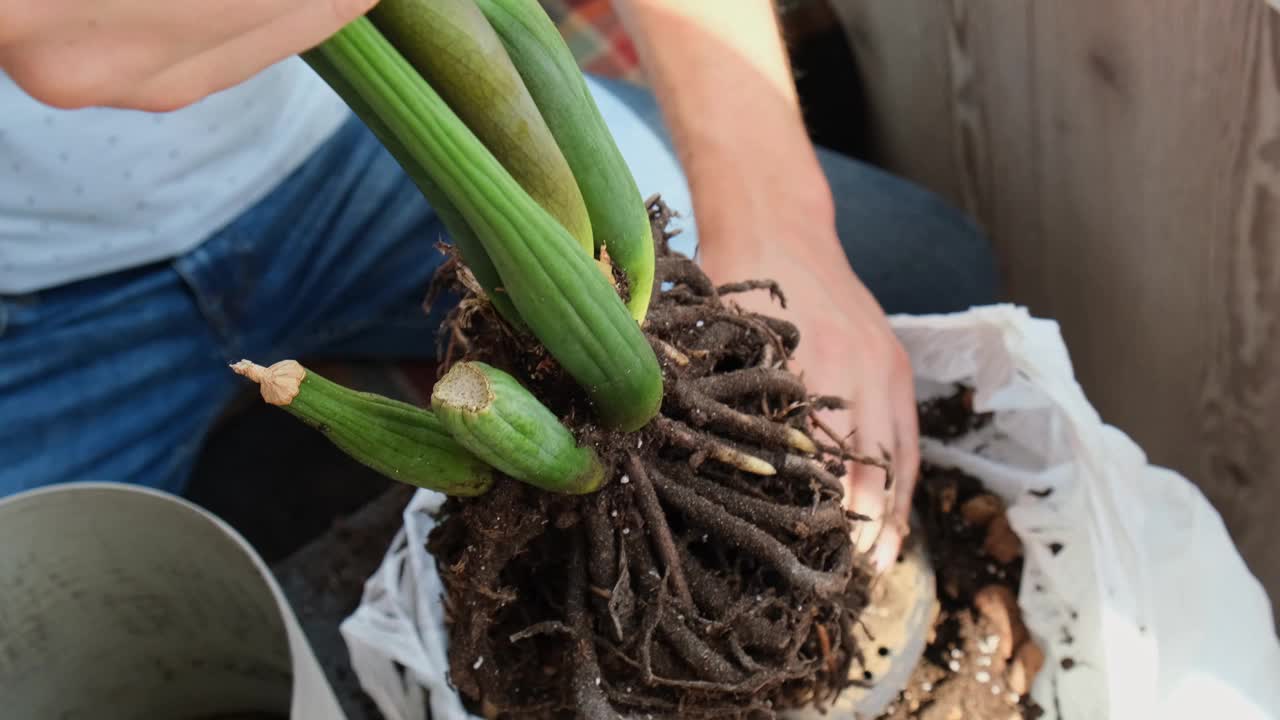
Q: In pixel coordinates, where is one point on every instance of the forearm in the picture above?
(721, 74)
(764, 209)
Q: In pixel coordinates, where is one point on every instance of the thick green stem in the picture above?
(619, 220)
(491, 414)
(464, 238)
(453, 47)
(557, 290)
(405, 443)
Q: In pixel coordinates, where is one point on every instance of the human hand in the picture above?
(846, 349)
(721, 75)
(153, 55)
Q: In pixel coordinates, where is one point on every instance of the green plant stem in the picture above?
(464, 239)
(400, 441)
(556, 289)
(453, 47)
(491, 414)
(619, 220)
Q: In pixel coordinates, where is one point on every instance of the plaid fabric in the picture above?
(595, 34)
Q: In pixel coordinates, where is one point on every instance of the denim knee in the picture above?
(914, 251)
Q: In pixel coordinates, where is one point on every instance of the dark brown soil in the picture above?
(951, 417)
(979, 661)
(691, 585)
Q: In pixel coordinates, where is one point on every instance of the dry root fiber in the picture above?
(712, 577)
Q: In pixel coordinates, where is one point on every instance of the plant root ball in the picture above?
(712, 576)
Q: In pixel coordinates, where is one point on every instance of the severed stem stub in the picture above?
(713, 574)
(278, 383)
(494, 416)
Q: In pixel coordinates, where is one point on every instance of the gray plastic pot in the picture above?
(121, 603)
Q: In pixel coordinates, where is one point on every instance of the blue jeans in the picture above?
(119, 378)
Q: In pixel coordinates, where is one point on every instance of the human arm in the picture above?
(720, 72)
(148, 55)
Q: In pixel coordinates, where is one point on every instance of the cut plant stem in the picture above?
(405, 443)
(455, 49)
(561, 296)
(491, 414)
(619, 218)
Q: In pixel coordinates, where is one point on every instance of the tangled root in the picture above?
(712, 577)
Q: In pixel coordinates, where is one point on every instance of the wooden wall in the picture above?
(1125, 157)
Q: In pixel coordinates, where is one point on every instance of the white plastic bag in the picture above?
(1131, 579)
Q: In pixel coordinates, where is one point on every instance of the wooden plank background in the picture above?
(1124, 155)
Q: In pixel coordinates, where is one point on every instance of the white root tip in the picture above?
(743, 461)
(800, 441)
(673, 354)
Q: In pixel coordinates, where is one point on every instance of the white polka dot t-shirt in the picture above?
(88, 192)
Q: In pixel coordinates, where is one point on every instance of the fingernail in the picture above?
(885, 554)
(867, 533)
